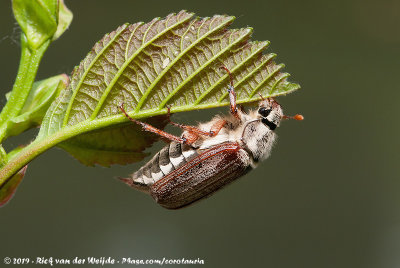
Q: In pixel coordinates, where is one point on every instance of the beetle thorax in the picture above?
(258, 134)
(258, 140)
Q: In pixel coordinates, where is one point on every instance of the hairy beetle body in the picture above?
(168, 159)
(208, 157)
(202, 176)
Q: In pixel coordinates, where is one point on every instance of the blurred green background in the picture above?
(327, 197)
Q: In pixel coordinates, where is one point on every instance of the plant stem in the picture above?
(3, 156)
(38, 146)
(25, 156)
(28, 67)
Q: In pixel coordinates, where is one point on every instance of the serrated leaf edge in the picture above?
(233, 70)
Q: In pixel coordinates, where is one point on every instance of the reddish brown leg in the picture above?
(213, 132)
(196, 131)
(217, 127)
(232, 95)
(150, 128)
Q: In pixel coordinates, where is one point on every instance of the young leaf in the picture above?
(8, 189)
(38, 19)
(64, 19)
(167, 62)
(43, 93)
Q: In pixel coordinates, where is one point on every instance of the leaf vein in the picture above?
(87, 69)
(113, 81)
(155, 82)
(212, 59)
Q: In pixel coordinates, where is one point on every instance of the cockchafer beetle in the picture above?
(208, 157)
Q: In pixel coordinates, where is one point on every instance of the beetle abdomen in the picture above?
(202, 176)
(168, 159)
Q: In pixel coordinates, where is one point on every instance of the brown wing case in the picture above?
(202, 176)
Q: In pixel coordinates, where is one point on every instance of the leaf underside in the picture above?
(173, 62)
(118, 144)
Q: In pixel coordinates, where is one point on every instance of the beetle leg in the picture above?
(217, 126)
(196, 131)
(232, 95)
(150, 128)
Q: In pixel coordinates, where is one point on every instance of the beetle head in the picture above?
(270, 112)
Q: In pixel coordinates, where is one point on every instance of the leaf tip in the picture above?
(265, 43)
(250, 29)
(185, 12)
(294, 86)
(64, 79)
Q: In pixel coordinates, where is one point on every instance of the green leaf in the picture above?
(64, 19)
(167, 62)
(38, 19)
(113, 145)
(8, 189)
(43, 93)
